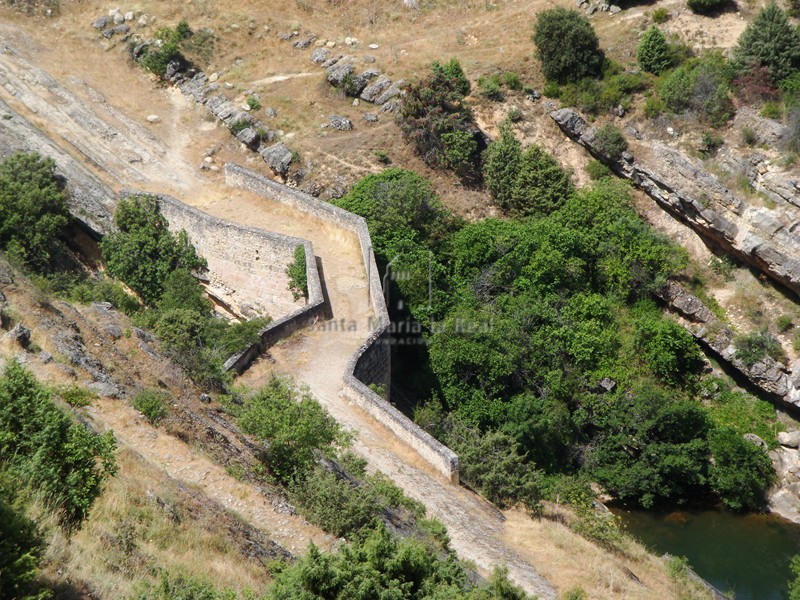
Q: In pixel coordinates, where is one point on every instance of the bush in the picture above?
(75, 395)
(551, 89)
(741, 472)
(748, 136)
(784, 323)
(754, 347)
(709, 145)
(253, 103)
(597, 170)
(501, 165)
(701, 86)
(653, 53)
(669, 350)
(490, 88)
(541, 185)
(435, 121)
(152, 404)
(660, 15)
(59, 461)
(144, 252)
(653, 107)
(610, 141)
(755, 86)
(512, 81)
(567, 45)
(706, 7)
(515, 115)
(292, 426)
(298, 278)
(769, 41)
(33, 210)
(794, 584)
(772, 110)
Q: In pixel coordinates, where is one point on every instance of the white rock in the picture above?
(320, 43)
(112, 12)
(208, 159)
(142, 20)
(330, 44)
(119, 19)
(348, 41)
(153, 118)
(228, 85)
(129, 15)
(355, 102)
(789, 438)
(373, 46)
(213, 77)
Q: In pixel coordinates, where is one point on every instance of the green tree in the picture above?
(33, 210)
(701, 86)
(610, 141)
(454, 74)
(298, 278)
(769, 41)
(567, 45)
(61, 460)
(144, 253)
(541, 185)
(670, 351)
(292, 425)
(500, 166)
(653, 52)
(741, 472)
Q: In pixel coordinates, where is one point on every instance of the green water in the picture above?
(746, 554)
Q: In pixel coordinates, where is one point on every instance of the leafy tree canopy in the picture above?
(567, 45)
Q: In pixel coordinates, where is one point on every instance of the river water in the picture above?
(746, 554)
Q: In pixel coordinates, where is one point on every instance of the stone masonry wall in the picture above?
(246, 265)
(370, 363)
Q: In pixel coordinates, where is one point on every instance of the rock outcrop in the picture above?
(762, 237)
(773, 378)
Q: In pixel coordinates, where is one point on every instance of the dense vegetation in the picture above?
(33, 211)
(547, 353)
(45, 457)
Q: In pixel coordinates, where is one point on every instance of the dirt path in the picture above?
(184, 464)
(127, 154)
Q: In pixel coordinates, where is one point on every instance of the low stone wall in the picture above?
(247, 271)
(246, 265)
(371, 362)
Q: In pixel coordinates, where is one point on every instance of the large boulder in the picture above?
(320, 55)
(790, 439)
(371, 92)
(278, 157)
(338, 73)
(341, 123)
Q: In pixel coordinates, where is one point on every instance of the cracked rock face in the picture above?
(765, 238)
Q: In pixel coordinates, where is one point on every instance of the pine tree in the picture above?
(501, 163)
(541, 185)
(567, 45)
(769, 41)
(653, 52)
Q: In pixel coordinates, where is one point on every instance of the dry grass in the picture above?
(129, 533)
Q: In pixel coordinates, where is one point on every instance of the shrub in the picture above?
(710, 143)
(653, 107)
(772, 110)
(144, 252)
(754, 347)
(20, 550)
(741, 472)
(253, 103)
(435, 121)
(653, 53)
(567, 45)
(723, 266)
(298, 278)
(541, 185)
(515, 114)
(755, 85)
(512, 81)
(794, 584)
(706, 7)
(75, 395)
(152, 404)
(597, 170)
(501, 165)
(551, 89)
(784, 323)
(33, 210)
(293, 427)
(769, 41)
(660, 15)
(490, 88)
(610, 141)
(382, 157)
(62, 462)
(577, 593)
(748, 136)
(701, 86)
